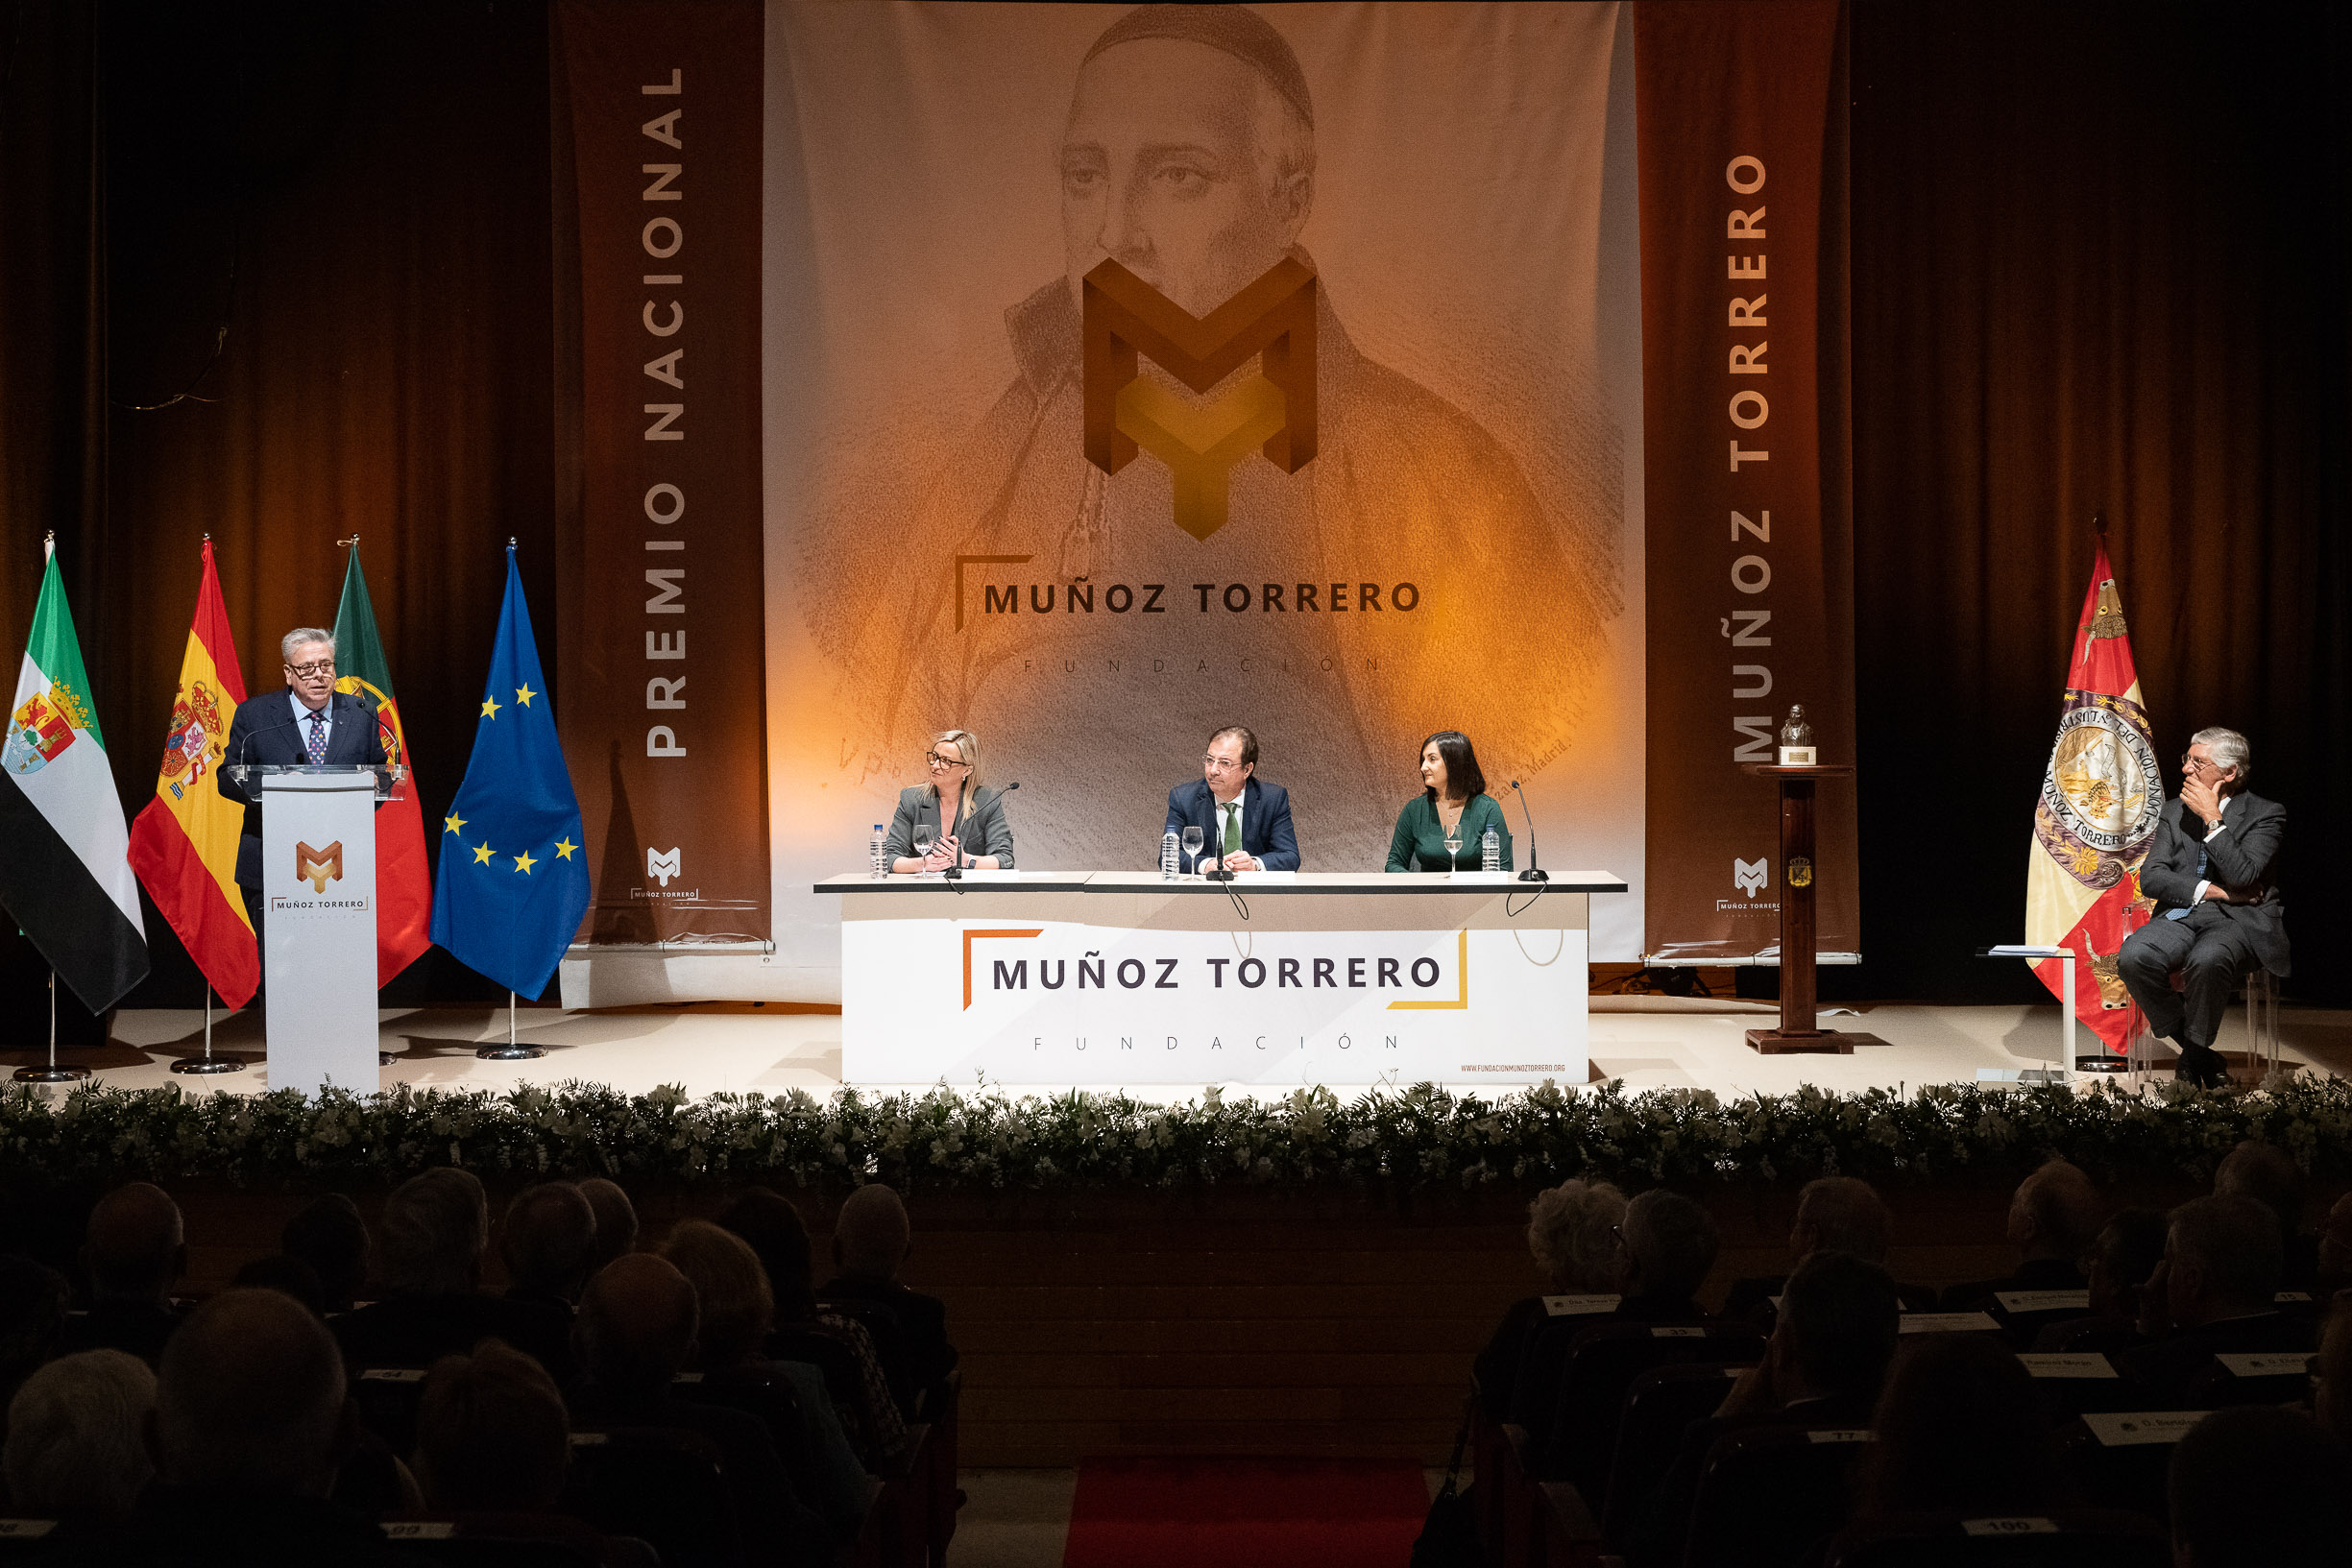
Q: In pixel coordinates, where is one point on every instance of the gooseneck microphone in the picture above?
(1534, 873)
(245, 748)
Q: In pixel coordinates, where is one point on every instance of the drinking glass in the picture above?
(1453, 848)
(1194, 838)
(924, 837)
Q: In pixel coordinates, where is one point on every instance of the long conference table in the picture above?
(1346, 978)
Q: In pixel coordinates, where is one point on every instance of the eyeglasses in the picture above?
(1218, 764)
(2192, 764)
(937, 760)
(317, 667)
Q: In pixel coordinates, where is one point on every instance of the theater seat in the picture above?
(1767, 1495)
(657, 1485)
(2060, 1538)
(388, 1397)
(1602, 1364)
(2120, 1457)
(1659, 1406)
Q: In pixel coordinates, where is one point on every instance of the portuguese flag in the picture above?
(65, 867)
(403, 882)
(183, 845)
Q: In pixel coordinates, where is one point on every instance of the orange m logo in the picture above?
(317, 867)
(1274, 411)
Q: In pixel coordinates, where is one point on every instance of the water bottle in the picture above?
(1489, 850)
(1168, 861)
(874, 855)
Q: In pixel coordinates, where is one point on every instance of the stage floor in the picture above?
(1649, 1043)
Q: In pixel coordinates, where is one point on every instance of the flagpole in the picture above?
(52, 1074)
(207, 1063)
(513, 1050)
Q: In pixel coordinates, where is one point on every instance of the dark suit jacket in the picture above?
(981, 827)
(2241, 859)
(1266, 821)
(263, 731)
(2163, 1368)
(922, 1321)
(419, 1330)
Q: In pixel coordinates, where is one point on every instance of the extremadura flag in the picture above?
(64, 852)
(514, 880)
(183, 845)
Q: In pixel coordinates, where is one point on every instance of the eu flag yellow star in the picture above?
(524, 693)
(482, 854)
(564, 848)
(490, 708)
(452, 824)
(524, 862)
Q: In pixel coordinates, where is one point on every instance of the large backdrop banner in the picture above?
(1128, 371)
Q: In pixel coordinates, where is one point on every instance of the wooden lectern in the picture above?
(1798, 1031)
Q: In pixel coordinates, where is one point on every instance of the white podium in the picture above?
(317, 914)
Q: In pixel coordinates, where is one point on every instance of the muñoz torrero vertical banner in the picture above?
(658, 116)
(1139, 369)
(1742, 111)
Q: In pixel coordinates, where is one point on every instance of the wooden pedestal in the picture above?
(1799, 1030)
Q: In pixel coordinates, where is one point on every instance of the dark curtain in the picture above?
(2097, 267)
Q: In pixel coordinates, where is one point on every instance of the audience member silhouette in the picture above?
(329, 1235)
(871, 1238)
(491, 1434)
(616, 1223)
(2053, 1217)
(290, 1275)
(76, 1438)
(34, 1301)
(854, 1374)
(2260, 1486)
(547, 1243)
(2217, 1286)
(738, 1310)
(1834, 1214)
(134, 1252)
(429, 1244)
(1669, 1245)
(2269, 1175)
(1572, 1236)
(634, 1334)
(1959, 1430)
(2116, 1272)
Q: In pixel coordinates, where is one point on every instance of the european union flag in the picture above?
(513, 880)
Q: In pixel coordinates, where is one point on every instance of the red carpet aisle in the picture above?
(1241, 1513)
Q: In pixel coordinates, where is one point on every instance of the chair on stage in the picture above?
(2059, 1538)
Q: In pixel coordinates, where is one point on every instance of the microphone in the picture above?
(251, 735)
(1533, 873)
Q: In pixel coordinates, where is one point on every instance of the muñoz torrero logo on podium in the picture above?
(1274, 411)
(317, 867)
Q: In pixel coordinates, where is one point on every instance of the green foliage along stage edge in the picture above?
(1419, 1139)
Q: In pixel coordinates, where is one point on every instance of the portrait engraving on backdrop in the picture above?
(1333, 552)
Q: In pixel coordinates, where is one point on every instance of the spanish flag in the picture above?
(183, 845)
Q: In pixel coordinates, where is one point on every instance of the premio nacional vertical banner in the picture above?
(1742, 111)
(657, 119)
(1135, 371)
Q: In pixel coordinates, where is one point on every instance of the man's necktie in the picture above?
(318, 739)
(1233, 827)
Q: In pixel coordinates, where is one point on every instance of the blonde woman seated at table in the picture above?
(1453, 802)
(972, 817)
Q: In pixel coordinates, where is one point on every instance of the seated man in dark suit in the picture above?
(2218, 1281)
(634, 1334)
(1245, 822)
(429, 1245)
(1823, 1367)
(871, 1240)
(306, 722)
(2217, 913)
(546, 1242)
(2054, 1215)
(134, 1252)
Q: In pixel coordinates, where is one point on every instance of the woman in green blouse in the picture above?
(1454, 797)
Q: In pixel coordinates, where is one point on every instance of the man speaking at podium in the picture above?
(308, 722)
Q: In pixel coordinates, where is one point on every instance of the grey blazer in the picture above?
(980, 826)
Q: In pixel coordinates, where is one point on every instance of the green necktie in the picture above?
(1234, 826)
